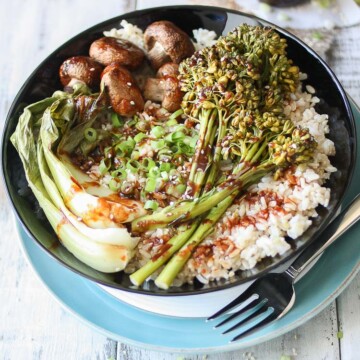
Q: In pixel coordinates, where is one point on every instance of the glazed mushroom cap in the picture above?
(168, 69)
(165, 42)
(165, 90)
(109, 50)
(173, 95)
(125, 96)
(80, 68)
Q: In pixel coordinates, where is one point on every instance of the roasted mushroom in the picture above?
(109, 50)
(125, 96)
(165, 42)
(80, 68)
(168, 69)
(165, 88)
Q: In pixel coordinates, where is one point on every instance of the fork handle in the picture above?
(348, 217)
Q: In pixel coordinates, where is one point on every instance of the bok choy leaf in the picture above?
(97, 212)
(107, 250)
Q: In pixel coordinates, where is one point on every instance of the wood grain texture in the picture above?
(32, 323)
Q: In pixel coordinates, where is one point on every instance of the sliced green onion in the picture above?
(159, 183)
(159, 144)
(135, 155)
(114, 185)
(134, 121)
(138, 137)
(178, 160)
(148, 163)
(154, 172)
(119, 173)
(180, 127)
(116, 120)
(158, 131)
(150, 185)
(131, 141)
(176, 114)
(151, 205)
(171, 122)
(183, 148)
(143, 195)
(164, 157)
(193, 142)
(178, 135)
(104, 166)
(142, 125)
(108, 152)
(170, 190)
(165, 167)
(90, 134)
(133, 166)
(174, 149)
(124, 148)
(180, 188)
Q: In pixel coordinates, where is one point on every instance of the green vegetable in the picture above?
(173, 245)
(98, 248)
(236, 91)
(90, 134)
(116, 120)
(151, 205)
(158, 131)
(138, 137)
(177, 262)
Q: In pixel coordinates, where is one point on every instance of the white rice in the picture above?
(256, 226)
(134, 34)
(128, 32)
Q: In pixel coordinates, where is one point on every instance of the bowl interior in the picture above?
(44, 81)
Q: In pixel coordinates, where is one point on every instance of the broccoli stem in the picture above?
(177, 262)
(208, 119)
(173, 245)
(187, 210)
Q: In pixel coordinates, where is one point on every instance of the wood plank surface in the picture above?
(32, 324)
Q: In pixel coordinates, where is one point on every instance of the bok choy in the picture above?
(107, 246)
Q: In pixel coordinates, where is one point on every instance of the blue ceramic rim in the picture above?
(225, 348)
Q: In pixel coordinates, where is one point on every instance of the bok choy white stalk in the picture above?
(107, 250)
(97, 212)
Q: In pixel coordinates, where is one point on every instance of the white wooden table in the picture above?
(32, 323)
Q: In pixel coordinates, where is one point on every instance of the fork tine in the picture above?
(241, 298)
(257, 327)
(249, 306)
(249, 318)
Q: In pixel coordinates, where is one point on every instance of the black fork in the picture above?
(272, 296)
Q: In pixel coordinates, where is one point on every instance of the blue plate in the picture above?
(122, 322)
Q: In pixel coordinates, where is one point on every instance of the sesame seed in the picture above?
(92, 69)
(128, 84)
(132, 103)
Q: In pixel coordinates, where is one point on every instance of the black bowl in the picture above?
(44, 81)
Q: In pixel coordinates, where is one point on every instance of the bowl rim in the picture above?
(141, 12)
